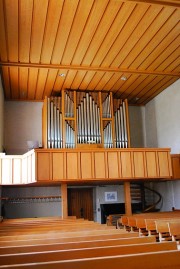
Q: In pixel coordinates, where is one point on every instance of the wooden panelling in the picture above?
(126, 165)
(99, 165)
(139, 165)
(103, 164)
(113, 165)
(86, 165)
(72, 165)
(94, 164)
(163, 164)
(151, 164)
(175, 159)
(58, 166)
(93, 43)
(43, 166)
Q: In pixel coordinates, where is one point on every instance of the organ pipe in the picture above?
(88, 121)
(54, 123)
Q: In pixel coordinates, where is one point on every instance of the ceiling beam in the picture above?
(91, 68)
(172, 3)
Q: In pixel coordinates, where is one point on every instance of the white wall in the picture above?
(22, 122)
(162, 119)
(162, 122)
(1, 115)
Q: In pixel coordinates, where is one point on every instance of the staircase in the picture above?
(144, 199)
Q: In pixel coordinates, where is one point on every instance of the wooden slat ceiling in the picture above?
(94, 43)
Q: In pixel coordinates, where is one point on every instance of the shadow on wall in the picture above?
(151, 125)
(136, 120)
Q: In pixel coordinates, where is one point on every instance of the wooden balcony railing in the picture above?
(93, 164)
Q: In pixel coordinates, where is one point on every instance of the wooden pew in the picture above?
(174, 230)
(68, 239)
(39, 230)
(162, 227)
(151, 224)
(57, 234)
(112, 219)
(82, 253)
(151, 260)
(136, 222)
(26, 247)
(77, 245)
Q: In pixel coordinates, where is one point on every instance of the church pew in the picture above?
(174, 230)
(49, 246)
(162, 227)
(82, 253)
(54, 227)
(147, 226)
(68, 239)
(134, 222)
(151, 260)
(64, 227)
(151, 224)
(48, 224)
(57, 234)
(33, 222)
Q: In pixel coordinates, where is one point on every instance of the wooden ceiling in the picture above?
(94, 44)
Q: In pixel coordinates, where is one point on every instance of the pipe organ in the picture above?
(78, 118)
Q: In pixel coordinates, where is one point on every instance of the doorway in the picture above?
(80, 203)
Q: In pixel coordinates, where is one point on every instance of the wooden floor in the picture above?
(47, 243)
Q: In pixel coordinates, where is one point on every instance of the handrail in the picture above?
(149, 208)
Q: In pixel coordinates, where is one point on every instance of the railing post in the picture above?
(64, 202)
(127, 196)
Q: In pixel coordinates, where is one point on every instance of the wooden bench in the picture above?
(26, 247)
(151, 260)
(112, 219)
(136, 222)
(57, 234)
(32, 257)
(72, 245)
(174, 230)
(151, 224)
(162, 227)
(68, 239)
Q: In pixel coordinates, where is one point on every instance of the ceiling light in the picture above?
(62, 75)
(123, 78)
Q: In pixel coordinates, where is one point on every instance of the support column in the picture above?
(127, 196)
(64, 202)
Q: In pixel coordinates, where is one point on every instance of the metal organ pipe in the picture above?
(121, 127)
(54, 123)
(88, 121)
(125, 126)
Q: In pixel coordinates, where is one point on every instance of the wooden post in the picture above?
(64, 201)
(44, 124)
(127, 185)
(127, 196)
